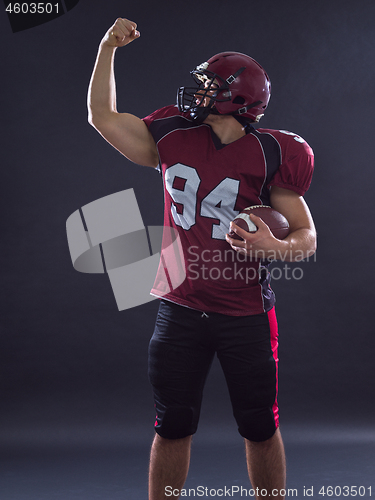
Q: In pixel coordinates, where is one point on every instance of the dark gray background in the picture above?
(73, 368)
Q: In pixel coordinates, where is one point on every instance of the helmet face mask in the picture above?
(211, 82)
(200, 100)
(229, 83)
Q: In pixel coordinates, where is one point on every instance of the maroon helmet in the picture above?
(235, 83)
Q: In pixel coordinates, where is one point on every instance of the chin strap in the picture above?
(231, 78)
(199, 114)
(243, 110)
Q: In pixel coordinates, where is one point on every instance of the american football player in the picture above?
(214, 161)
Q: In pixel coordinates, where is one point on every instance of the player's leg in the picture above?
(266, 465)
(169, 466)
(248, 355)
(179, 361)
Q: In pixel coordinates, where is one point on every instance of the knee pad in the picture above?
(257, 424)
(175, 422)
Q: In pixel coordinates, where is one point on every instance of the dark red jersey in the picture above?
(206, 184)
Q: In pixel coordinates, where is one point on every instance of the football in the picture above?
(277, 223)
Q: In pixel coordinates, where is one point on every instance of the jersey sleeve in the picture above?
(160, 113)
(150, 118)
(297, 163)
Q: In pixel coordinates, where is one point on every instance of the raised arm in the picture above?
(125, 132)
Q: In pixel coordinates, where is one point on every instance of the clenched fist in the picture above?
(121, 33)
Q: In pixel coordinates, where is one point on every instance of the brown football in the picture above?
(277, 223)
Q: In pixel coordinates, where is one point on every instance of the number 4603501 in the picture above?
(32, 8)
(345, 491)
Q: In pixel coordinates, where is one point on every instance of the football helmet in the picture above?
(229, 83)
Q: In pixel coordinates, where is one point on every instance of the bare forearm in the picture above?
(301, 241)
(298, 245)
(101, 99)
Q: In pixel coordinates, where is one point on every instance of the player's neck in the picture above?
(226, 127)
